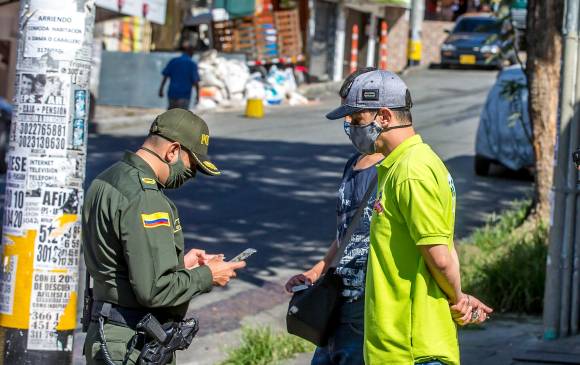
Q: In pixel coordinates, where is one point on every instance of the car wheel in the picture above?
(482, 166)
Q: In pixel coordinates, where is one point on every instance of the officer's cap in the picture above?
(189, 130)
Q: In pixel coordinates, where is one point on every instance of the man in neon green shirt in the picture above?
(413, 284)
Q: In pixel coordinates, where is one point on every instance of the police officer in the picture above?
(133, 240)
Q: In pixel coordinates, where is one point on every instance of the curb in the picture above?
(111, 124)
(316, 90)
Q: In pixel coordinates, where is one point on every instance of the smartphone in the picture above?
(297, 288)
(244, 255)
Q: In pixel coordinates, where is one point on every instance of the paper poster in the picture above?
(50, 299)
(43, 113)
(8, 283)
(55, 33)
(56, 261)
(14, 210)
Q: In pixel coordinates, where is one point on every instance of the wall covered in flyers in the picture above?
(46, 169)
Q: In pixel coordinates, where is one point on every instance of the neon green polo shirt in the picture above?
(407, 317)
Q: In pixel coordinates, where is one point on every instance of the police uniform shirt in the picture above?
(133, 242)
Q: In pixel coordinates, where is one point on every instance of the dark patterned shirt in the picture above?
(352, 266)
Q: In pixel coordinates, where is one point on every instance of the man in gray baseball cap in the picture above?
(413, 286)
(365, 97)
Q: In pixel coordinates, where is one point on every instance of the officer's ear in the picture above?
(172, 153)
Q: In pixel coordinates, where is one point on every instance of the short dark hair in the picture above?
(345, 87)
(403, 115)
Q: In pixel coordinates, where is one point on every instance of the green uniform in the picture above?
(407, 316)
(133, 247)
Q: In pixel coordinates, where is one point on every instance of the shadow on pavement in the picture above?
(279, 198)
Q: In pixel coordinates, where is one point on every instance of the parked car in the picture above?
(5, 122)
(504, 135)
(470, 42)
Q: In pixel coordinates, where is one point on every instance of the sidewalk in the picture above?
(495, 343)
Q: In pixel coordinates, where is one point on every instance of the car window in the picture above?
(473, 25)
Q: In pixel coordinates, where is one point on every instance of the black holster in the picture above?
(161, 342)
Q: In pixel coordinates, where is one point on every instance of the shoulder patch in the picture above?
(148, 183)
(154, 220)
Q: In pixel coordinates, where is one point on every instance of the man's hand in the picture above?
(161, 93)
(308, 277)
(469, 309)
(461, 311)
(194, 258)
(482, 310)
(222, 271)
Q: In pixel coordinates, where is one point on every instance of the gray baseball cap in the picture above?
(374, 90)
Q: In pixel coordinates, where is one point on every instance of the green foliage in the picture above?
(262, 346)
(504, 263)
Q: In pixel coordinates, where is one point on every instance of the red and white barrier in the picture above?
(383, 52)
(354, 49)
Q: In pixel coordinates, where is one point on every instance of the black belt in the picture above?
(122, 316)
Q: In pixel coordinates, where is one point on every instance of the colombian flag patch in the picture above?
(154, 220)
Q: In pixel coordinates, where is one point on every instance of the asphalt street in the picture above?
(280, 176)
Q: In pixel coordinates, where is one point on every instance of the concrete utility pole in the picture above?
(44, 184)
(339, 39)
(414, 48)
(562, 289)
(372, 43)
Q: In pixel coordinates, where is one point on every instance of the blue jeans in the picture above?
(345, 345)
(179, 104)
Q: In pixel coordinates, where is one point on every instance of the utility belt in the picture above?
(155, 342)
(120, 316)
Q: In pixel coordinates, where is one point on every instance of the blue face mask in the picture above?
(363, 137)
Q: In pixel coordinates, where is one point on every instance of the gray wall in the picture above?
(132, 79)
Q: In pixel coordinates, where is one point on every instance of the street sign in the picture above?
(152, 10)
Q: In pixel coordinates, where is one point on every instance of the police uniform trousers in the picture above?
(118, 339)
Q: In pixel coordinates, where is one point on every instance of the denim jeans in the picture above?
(179, 103)
(345, 345)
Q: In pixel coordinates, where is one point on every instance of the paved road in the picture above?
(277, 193)
(280, 175)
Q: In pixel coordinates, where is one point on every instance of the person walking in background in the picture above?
(183, 75)
(413, 288)
(345, 345)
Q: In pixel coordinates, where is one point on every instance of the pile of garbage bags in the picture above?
(228, 82)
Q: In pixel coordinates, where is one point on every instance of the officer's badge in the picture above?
(155, 220)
